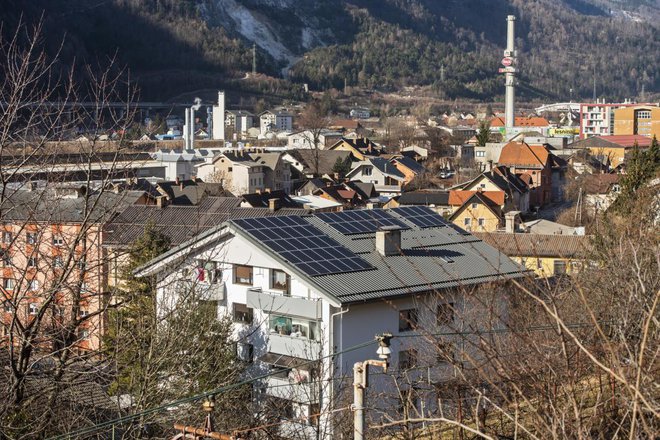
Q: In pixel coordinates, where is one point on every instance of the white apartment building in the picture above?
(305, 291)
(597, 119)
(275, 121)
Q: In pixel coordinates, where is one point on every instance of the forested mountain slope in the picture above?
(453, 45)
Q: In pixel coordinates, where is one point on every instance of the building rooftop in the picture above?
(437, 256)
(538, 245)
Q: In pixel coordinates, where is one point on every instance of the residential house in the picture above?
(536, 165)
(478, 211)
(239, 120)
(273, 200)
(383, 174)
(360, 113)
(546, 255)
(359, 148)
(612, 149)
(408, 167)
(307, 164)
(315, 204)
(277, 171)
(236, 171)
(270, 121)
(600, 191)
(299, 304)
(488, 154)
(189, 192)
(521, 123)
(502, 179)
(305, 139)
(52, 259)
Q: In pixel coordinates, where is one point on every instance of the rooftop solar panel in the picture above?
(421, 216)
(360, 221)
(303, 245)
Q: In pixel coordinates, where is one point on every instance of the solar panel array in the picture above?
(421, 216)
(360, 221)
(303, 245)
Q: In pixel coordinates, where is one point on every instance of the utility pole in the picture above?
(361, 382)
(254, 59)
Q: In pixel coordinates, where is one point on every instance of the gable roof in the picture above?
(459, 197)
(430, 259)
(522, 154)
(386, 167)
(426, 198)
(615, 141)
(326, 159)
(537, 245)
(503, 178)
(411, 164)
(269, 160)
(478, 197)
(600, 183)
(261, 200)
(190, 192)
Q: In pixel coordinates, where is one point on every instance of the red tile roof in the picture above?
(522, 154)
(628, 140)
(459, 197)
(521, 121)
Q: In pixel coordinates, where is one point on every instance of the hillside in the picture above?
(453, 46)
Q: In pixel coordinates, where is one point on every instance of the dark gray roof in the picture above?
(191, 192)
(430, 259)
(424, 198)
(411, 164)
(423, 264)
(385, 167)
(261, 200)
(180, 223)
(326, 159)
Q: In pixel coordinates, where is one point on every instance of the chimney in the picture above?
(273, 204)
(510, 220)
(490, 165)
(388, 240)
(161, 202)
(267, 190)
(177, 181)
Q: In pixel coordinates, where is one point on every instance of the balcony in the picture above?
(275, 302)
(284, 388)
(294, 346)
(205, 291)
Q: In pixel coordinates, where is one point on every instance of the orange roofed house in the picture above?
(477, 210)
(541, 170)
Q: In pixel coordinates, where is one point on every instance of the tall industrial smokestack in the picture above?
(509, 62)
(219, 117)
(186, 129)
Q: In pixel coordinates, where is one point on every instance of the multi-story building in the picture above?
(275, 121)
(597, 119)
(643, 120)
(305, 291)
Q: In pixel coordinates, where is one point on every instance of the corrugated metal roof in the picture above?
(539, 245)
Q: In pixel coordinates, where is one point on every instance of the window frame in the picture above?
(235, 269)
(408, 320)
(287, 285)
(408, 359)
(240, 315)
(31, 237)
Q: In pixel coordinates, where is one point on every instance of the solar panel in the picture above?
(360, 222)
(303, 245)
(421, 216)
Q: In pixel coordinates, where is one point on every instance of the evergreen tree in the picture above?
(341, 167)
(483, 135)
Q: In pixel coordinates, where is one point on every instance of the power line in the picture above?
(150, 411)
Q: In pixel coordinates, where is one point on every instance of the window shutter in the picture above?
(243, 271)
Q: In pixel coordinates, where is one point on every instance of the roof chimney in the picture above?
(510, 219)
(161, 202)
(177, 180)
(388, 240)
(273, 204)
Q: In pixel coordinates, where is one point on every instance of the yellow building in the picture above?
(479, 213)
(643, 120)
(546, 255)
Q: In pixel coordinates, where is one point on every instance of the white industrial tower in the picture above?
(219, 118)
(509, 63)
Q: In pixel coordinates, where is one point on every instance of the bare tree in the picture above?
(314, 121)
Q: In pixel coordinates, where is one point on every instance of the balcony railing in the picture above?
(276, 302)
(284, 388)
(299, 347)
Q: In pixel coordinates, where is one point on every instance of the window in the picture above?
(33, 308)
(297, 328)
(83, 286)
(8, 283)
(367, 171)
(279, 280)
(445, 315)
(482, 222)
(230, 169)
(559, 267)
(83, 334)
(243, 275)
(483, 185)
(407, 359)
(58, 240)
(31, 237)
(208, 272)
(407, 320)
(474, 206)
(5, 258)
(82, 263)
(58, 262)
(539, 263)
(7, 237)
(245, 352)
(34, 285)
(242, 313)
(480, 153)
(83, 313)
(7, 306)
(467, 221)
(32, 262)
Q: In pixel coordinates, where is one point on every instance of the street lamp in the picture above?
(361, 381)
